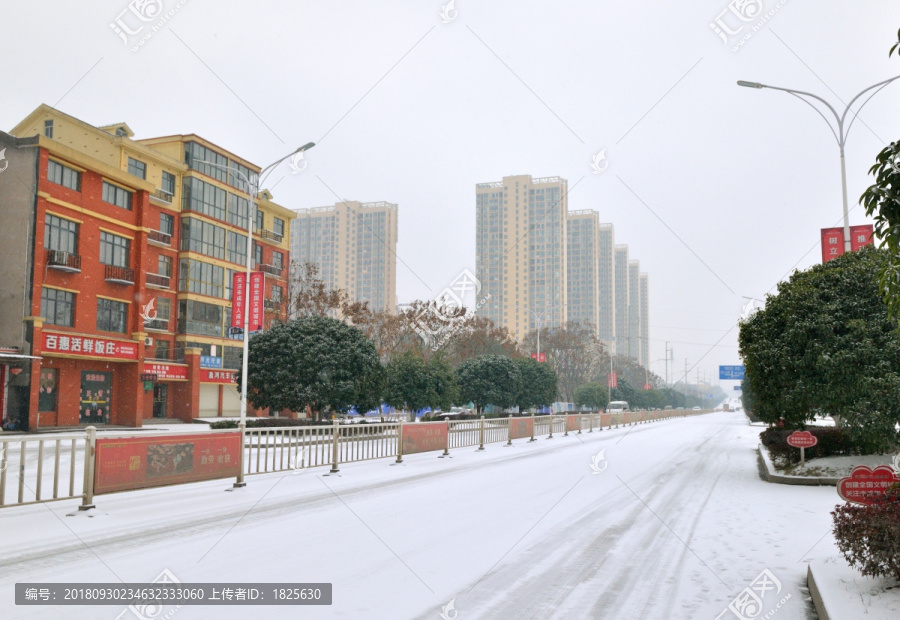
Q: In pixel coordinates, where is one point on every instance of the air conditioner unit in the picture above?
(148, 341)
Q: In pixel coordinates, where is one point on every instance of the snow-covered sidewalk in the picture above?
(670, 521)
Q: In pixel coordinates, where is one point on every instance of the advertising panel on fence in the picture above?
(141, 462)
(605, 419)
(573, 422)
(424, 437)
(520, 428)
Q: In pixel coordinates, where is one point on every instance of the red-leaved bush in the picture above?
(869, 536)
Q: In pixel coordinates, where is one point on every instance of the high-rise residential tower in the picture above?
(583, 267)
(622, 290)
(606, 288)
(354, 246)
(645, 320)
(634, 309)
(521, 251)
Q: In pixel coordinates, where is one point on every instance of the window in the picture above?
(137, 168)
(202, 237)
(237, 180)
(232, 357)
(229, 282)
(195, 153)
(168, 183)
(162, 350)
(260, 220)
(237, 248)
(278, 259)
(63, 175)
(257, 253)
(278, 226)
(60, 235)
(120, 131)
(164, 308)
(49, 389)
(164, 266)
(277, 292)
(167, 224)
(114, 249)
(195, 276)
(196, 317)
(204, 198)
(238, 211)
(115, 195)
(111, 315)
(58, 307)
(48, 128)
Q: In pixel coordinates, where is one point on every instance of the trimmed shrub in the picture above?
(832, 442)
(869, 536)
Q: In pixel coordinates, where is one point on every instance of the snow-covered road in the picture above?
(676, 526)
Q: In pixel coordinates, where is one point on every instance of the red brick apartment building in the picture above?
(116, 300)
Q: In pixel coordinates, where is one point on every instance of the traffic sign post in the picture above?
(731, 373)
(802, 440)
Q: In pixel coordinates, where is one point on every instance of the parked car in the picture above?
(696, 409)
(617, 406)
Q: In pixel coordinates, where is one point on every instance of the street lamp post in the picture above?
(252, 189)
(538, 318)
(840, 135)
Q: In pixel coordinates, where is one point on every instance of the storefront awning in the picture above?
(18, 356)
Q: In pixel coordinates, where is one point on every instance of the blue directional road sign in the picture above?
(731, 373)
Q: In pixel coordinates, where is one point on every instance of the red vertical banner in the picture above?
(612, 379)
(238, 290)
(832, 243)
(861, 236)
(257, 288)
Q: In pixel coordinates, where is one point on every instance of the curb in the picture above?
(816, 596)
(771, 476)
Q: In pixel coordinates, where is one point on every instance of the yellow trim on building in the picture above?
(59, 288)
(65, 162)
(88, 212)
(65, 217)
(124, 301)
(116, 233)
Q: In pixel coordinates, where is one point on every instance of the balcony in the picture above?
(157, 237)
(157, 281)
(157, 325)
(268, 234)
(162, 196)
(270, 269)
(63, 261)
(118, 275)
(271, 305)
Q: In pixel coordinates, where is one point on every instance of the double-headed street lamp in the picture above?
(840, 135)
(253, 183)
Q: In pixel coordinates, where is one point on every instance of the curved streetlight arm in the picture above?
(837, 138)
(856, 114)
(265, 171)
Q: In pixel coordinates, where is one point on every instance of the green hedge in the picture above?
(832, 442)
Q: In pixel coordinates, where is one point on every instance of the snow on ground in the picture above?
(676, 525)
(847, 594)
(837, 466)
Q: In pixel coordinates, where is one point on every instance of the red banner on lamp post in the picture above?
(541, 357)
(861, 236)
(238, 292)
(612, 379)
(833, 240)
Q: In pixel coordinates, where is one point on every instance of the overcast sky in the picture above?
(719, 191)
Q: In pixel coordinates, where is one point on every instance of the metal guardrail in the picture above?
(43, 468)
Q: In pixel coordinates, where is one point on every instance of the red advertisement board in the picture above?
(88, 346)
(865, 485)
(424, 437)
(573, 422)
(539, 357)
(802, 439)
(217, 376)
(165, 372)
(141, 462)
(521, 428)
(861, 236)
